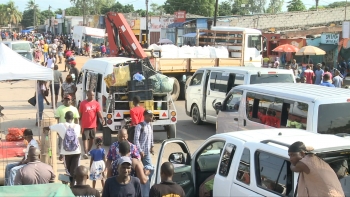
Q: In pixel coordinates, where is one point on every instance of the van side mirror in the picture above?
(217, 106)
(177, 158)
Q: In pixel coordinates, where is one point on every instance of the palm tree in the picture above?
(31, 5)
(3, 14)
(13, 16)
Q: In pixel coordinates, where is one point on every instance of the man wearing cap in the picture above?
(74, 71)
(123, 184)
(62, 110)
(143, 140)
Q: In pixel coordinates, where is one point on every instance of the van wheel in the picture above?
(107, 136)
(196, 117)
(176, 90)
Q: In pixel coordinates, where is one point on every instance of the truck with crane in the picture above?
(244, 46)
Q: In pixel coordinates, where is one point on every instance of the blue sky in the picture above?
(138, 4)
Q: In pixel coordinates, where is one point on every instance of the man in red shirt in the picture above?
(136, 114)
(309, 75)
(89, 110)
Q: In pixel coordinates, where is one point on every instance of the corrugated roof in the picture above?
(307, 92)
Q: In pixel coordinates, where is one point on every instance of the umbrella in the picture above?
(310, 50)
(286, 48)
(165, 41)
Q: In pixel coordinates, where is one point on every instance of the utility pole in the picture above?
(317, 5)
(147, 22)
(216, 11)
(50, 19)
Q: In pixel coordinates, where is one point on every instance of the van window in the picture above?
(273, 173)
(196, 79)
(276, 112)
(243, 173)
(226, 159)
(272, 78)
(218, 81)
(333, 118)
(254, 41)
(232, 101)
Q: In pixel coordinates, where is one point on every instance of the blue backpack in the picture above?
(70, 141)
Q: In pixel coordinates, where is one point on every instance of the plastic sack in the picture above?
(138, 77)
(15, 134)
(121, 76)
(108, 80)
(162, 83)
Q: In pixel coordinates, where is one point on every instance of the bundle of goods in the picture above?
(15, 134)
(219, 52)
(162, 83)
(119, 77)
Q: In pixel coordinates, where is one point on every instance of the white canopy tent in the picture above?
(15, 67)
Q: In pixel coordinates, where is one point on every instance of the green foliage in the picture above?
(237, 8)
(73, 11)
(225, 9)
(338, 4)
(296, 5)
(275, 6)
(199, 7)
(321, 7)
(9, 14)
(118, 7)
(156, 10)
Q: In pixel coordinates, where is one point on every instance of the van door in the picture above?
(252, 56)
(216, 91)
(228, 117)
(194, 90)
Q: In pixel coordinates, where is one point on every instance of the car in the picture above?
(243, 162)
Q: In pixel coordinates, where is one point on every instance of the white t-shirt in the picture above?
(50, 62)
(54, 48)
(61, 129)
(90, 46)
(34, 143)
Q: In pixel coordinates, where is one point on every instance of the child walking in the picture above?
(97, 163)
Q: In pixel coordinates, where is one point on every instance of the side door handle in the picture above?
(235, 119)
(244, 122)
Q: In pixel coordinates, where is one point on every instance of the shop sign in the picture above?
(329, 38)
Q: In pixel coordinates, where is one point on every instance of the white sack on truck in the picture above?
(220, 52)
(186, 52)
(202, 52)
(169, 51)
(162, 83)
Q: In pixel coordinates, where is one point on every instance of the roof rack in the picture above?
(275, 142)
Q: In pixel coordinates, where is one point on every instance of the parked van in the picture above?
(314, 108)
(24, 48)
(212, 84)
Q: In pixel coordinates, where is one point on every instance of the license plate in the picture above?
(118, 127)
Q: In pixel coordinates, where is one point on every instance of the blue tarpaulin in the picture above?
(179, 24)
(192, 35)
(26, 31)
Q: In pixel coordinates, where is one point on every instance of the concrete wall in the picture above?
(291, 20)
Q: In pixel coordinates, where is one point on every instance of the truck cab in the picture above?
(248, 163)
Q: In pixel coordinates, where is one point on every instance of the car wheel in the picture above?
(196, 117)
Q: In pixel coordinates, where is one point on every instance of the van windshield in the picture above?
(334, 118)
(21, 46)
(272, 78)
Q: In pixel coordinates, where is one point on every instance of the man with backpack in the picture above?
(70, 149)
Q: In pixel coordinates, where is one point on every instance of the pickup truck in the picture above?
(249, 163)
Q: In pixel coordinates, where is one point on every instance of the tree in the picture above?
(35, 11)
(338, 4)
(73, 11)
(171, 6)
(313, 8)
(12, 15)
(46, 14)
(275, 6)
(156, 10)
(225, 9)
(141, 12)
(257, 6)
(59, 11)
(296, 5)
(118, 7)
(28, 18)
(199, 7)
(237, 8)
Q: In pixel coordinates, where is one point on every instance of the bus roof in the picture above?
(307, 92)
(250, 69)
(228, 28)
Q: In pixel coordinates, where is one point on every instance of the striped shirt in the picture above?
(144, 139)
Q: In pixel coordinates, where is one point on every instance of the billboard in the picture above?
(180, 16)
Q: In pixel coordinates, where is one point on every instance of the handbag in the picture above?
(32, 101)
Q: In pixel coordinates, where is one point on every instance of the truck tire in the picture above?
(188, 80)
(176, 90)
(171, 131)
(107, 136)
(196, 116)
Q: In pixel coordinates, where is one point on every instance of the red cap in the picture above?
(73, 63)
(67, 96)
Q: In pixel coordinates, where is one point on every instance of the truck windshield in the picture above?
(272, 78)
(95, 39)
(334, 118)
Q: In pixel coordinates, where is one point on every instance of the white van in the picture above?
(211, 84)
(314, 108)
(24, 48)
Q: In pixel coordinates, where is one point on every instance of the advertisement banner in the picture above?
(330, 38)
(180, 16)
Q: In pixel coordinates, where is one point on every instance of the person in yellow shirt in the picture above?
(46, 51)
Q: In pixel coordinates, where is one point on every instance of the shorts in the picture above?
(88, 134)
(57, 89)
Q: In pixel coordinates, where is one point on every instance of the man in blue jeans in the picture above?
(143, 140)
(12, 168)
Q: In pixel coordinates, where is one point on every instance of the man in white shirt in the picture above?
(90, 48)
(54, 49)
(70, 148)
(12, 168)
(50, 62)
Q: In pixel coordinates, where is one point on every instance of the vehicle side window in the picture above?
(209, 157)
(226, 159)
(196, 79)
(80, 78)
(99, 83)
(218, 81)
(232, 101)
(273, 173)
(243, 173)
(254, 41)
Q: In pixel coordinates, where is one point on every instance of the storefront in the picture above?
(297, 42)
(271, 41)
